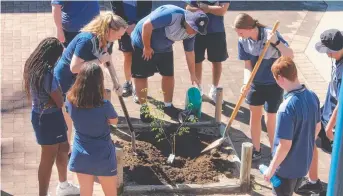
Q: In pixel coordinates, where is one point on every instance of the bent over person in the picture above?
(153, 39)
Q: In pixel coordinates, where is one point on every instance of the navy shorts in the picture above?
(268, 95)
(162, 63)
(214, 43)
(49, 128)
(68, 37)
(125, 43)
(287, 186)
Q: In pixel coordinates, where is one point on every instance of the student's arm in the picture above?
(146, 38)
(192, 8)
(111, 114)
(57, 15)
(82, 51)
(283, 46)
(281, 152)
(188, 46)
(52, 87)
(218, 10)
(331, 123)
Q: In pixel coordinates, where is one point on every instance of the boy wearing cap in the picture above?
(332, 44)
(297, 125)
(214, 41)
(153, 39)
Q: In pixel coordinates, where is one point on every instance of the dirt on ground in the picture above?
(150, 166)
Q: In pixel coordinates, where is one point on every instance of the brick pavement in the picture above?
(24, 24)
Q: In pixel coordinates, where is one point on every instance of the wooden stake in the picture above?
(246, 159)
(219, 106)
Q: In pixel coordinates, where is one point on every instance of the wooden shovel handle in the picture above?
(253, 73)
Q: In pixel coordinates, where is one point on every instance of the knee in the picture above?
(64, 148)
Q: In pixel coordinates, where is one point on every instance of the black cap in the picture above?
(198, 21)
(330, 41)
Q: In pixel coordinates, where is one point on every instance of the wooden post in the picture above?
(120, 164)
(219, 107)
(246, 159)
(107, 95)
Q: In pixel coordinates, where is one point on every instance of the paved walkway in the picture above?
(24, 24)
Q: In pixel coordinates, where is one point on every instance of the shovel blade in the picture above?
(171, 158)
(213, 145)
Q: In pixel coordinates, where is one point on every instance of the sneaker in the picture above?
(69, 190)
(145, 114)
(213, 94)
(127, 89)
(172, 112)
(256, 155)
(307, 187)
(135, 97)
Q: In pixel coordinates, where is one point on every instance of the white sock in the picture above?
(167, 104)
(312, 182)
(213, 87)
(64, 185)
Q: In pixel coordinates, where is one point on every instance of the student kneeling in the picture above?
(297, 126)
(93, 151)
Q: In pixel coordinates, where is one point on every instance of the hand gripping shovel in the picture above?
(241, 98)
(123, 106)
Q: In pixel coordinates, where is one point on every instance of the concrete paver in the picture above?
(24, 24)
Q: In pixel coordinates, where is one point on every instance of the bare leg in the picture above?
(255, 125)
(198, 71)
(69, 123)
(86, 184)
(127, 65)
(62, 161)
(109, 185)
(216, 73)
(168, 88)
(141, 85)
(270, 122)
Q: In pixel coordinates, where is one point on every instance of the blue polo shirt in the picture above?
(332, 94)
(130, 9)
(296, 120)
(76, 14)
(166, 21)
(249, 49)
(215, 23)
(85, 46)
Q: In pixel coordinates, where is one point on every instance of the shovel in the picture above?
(123, 106)
(220, 141)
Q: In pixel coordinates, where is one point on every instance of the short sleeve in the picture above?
(110, 48)
(53, 2)
(279, 36)
(51, 83)
(83, 49)
(109, 110)
(188, 44)
(242, 55)
(161, 19)
(284, 125)
(339, 82)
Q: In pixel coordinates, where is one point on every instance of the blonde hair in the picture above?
(245, 21)
(101, 24)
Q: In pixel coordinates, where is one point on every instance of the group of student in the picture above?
(64, 79)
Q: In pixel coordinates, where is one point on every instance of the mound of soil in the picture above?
(150, 166)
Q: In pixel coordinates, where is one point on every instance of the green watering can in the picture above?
(193, 101)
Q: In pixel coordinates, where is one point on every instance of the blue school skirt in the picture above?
(49, 128)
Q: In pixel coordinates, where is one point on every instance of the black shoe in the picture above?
(256, 155)
(307, 187)
(145, 115)
(127, 89)
(172, 112)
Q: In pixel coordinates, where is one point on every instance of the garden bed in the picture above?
(150, 166)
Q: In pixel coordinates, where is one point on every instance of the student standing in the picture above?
(214, 41)
(93, 151)
(43, 89)
(331, 43)
(71, 16)
(263, 91)
(131, 11)
(297, 126)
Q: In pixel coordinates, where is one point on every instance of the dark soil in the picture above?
(150, 166)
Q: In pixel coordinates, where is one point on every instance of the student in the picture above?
(297, 126)
(214, 41)
(71, 16)
(153, 39)
(332, 44)
(263, 91)
(93, 44)
(43, 89)
(131, 11)
(93, 152)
